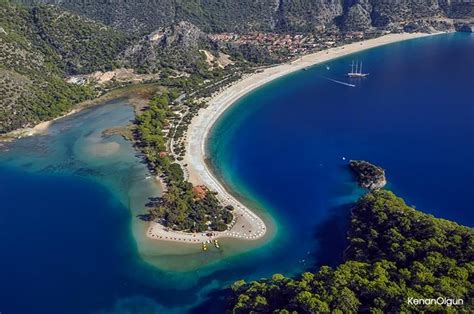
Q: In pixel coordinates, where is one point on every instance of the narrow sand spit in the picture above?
(246, 224)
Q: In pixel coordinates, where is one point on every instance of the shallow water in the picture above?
(70, 238)
(289, 143)
(69, 230)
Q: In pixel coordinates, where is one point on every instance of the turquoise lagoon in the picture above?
(70, 238)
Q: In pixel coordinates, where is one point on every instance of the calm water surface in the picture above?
(289, 142)
(70, 240)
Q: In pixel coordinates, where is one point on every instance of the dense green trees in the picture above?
(84, 46)
(383, 226)
(180, 207)
(39, 46)
(395, 253)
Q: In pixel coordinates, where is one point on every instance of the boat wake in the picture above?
(339, 82)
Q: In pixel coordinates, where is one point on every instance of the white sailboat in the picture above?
(358, 70)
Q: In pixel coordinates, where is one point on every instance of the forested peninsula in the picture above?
(395, 254)
(182, 206)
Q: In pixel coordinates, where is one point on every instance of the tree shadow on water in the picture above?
(216, 302)
(331, 238)
(216, 299)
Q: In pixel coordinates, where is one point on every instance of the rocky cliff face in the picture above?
(143, 16)
(176, 46)
(183, 34)
(307, 14)
(459, 9)
(358, 16)
(391, 13)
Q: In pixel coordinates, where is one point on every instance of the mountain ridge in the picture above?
(265, 15)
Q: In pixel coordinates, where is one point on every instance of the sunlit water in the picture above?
(289, 143)
(70, 238)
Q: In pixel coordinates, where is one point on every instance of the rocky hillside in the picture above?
(424, 15)
(38, 47)
(47, 52)
(42, 44)
(276, 15)
(174, 47)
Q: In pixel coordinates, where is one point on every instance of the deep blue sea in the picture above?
(70, 198)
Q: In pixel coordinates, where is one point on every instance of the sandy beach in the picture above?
(247, 225)
(40, 128)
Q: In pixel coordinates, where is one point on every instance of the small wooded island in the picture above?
(369, 176)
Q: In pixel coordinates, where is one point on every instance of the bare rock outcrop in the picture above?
(369, 176)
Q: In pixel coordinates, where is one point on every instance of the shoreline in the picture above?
(132, 92)
(201, 125)
(246, 225)
(38, 129)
